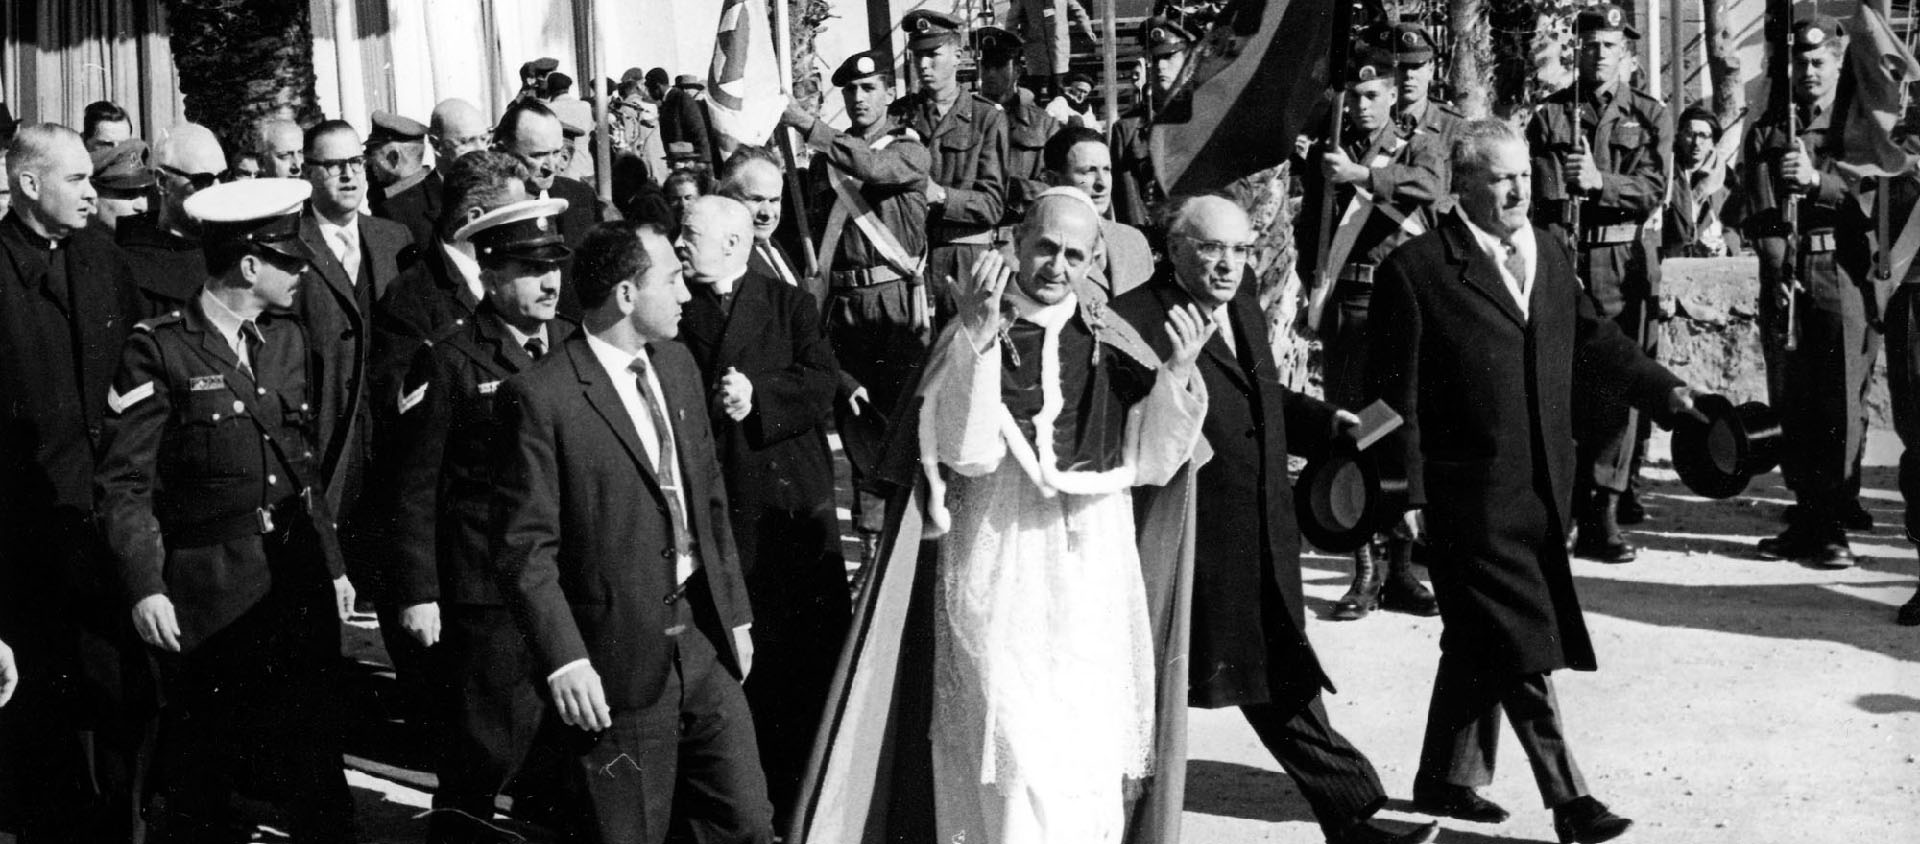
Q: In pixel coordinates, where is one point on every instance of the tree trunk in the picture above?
(807, 17)
(1723, 66)
(242, 62)
(1472, 52)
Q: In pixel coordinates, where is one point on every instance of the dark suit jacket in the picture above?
(583, 211)
(336, 315)
(583, 540)
(1249, 627)
(443, 440)
(417, 208)
(778, 468)
(1487, 396)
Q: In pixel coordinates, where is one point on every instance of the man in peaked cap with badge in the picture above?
(212, 500)
(1818, 298)
(397, 170)
(122, 178)
(1408, 48)
(1385, 187)
(1136, 190)
(872, 212)
(967, 135)
(1598, 164)
(1002, 63)
(445, 436)
(164, 248)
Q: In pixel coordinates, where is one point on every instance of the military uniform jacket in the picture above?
(892, 180)
(1029, 127)
(1136, 190)
(1408, 187)
(1623, 131)
(203, 459)
(1432, 175)
(969, 149)
(444, 439)
(1832, 209)
(168, 269)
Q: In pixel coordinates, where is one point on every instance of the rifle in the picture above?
(1325, 277)
(1784, 193)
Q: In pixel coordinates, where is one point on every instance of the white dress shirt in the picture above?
(344, 241)
(1521, 289)
(228, 324)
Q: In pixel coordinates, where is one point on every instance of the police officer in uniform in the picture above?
(1137, 194)
(210, 493)
(1598, 176)
(445, 437)
(967, 136)
(871, 180)
(1384, 186)
(1002, 63)
(1817, 297)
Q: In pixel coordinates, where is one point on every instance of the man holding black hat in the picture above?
(397, 172)
(1597, 164)
(1002, 63)
(967, 134)
(1818, 300)
(213, 501)
(122, 178)
(164, 249)
(1136, 190)
(444, 439)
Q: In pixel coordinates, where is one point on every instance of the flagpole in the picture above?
(1110, 60)
(782, 51)
(602, 142)
(1882, 207)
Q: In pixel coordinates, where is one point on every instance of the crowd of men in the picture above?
(575, 454)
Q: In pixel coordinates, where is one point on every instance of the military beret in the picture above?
(1701, 113)
(123, 166)
(528, 230)
(689, 80)
(927, 29)
(1810, 33)
(1369, 66)
(996, 44)
(1404, 43)
(540, 66)
(1604, 17)
(389, 128)
(1163, 37)
(263, 212)
(860, 66)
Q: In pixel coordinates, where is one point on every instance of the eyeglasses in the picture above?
(200, 181)
(341, 166)
(1213, 250)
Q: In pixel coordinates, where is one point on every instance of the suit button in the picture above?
(272, 479)
(239, 407)
(261, 391)
(666, 553)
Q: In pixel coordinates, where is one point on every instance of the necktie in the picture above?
(251, 341)
(347, 250)
(1226, 328)
(665, 464)
(779, 266)
(1515, 265)
(535, 348)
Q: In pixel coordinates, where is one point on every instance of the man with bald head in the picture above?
(1249, 646)
(282, 148)
(533, 132)
(1041, 414)
(757, 181)
(164, 249)
(66, 303)
(772, 378)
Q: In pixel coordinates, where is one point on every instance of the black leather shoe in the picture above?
(1834, 553)
(1456, 801)
(1603, 549)
(1910, 613)
(1794, 543)
(1403, 591)
(1584, 820)
(1853, 516)
(1364, 832)
(1630, 511)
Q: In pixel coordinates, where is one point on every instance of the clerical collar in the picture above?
(723, 286)
(27, 235)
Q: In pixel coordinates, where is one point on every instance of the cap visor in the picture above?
(551, 253)
(292, 247)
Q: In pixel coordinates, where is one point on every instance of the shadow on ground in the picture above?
(1887, 704)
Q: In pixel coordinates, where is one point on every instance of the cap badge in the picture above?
(1614, 17)
(1159, 34)
(922, 25)
(1813, 36)
(1368, 74)
(864, 64)
(1410, 39)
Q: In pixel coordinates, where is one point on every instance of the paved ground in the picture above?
(1738, 700)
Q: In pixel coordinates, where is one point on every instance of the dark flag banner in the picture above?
(1251, 83)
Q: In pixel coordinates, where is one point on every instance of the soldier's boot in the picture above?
(1403, 591)
(1828, 548)
(1804, 534)
(1363, 596)
(1630, 511)
(1600, 538)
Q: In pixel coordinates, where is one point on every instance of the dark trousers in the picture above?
(255, 708)
(1903, 382)
(1610, 429)
(1463, 729)
(489, 712)
(686, 764)
(1338, 781)
(1347, 342)
(1820, 387)
(873, 337)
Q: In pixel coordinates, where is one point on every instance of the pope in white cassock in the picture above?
(1042, 412)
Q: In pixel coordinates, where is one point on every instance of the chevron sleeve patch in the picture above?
(409, 400)
(118, 402)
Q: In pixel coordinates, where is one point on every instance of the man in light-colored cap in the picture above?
(165, 248)
(122, 178)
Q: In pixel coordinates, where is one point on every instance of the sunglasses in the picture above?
(200, 181)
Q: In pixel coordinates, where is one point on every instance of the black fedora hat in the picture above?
(1737, 442)
(1344, 497)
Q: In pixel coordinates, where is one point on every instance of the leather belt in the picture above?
(259, 521)
(1609, 235)
(1358, 273)
(864, 277)
(1815, 242)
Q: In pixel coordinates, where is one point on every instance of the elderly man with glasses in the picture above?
(164, 249)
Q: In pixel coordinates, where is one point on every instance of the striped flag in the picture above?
(1252, 83)
(1882, 67)
(744, 78)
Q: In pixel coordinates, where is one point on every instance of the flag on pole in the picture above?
(1253, 80)
(744, 78)
(1882, 67)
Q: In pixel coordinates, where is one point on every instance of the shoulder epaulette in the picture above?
(168, 318)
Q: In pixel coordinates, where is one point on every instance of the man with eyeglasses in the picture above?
(1597, 162)
(164, 249)
(1249, 645)
(531, 131)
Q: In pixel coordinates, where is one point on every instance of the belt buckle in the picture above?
(266, 520)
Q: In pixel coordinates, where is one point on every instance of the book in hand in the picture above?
(1376, 421)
